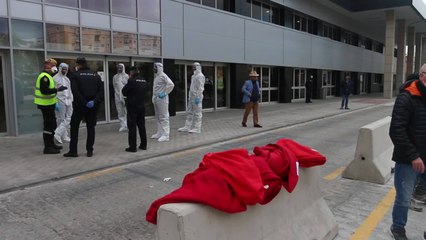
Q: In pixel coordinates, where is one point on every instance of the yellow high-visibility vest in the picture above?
(44, 99)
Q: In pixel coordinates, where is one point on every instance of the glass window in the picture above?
(95, 40)
(194, 1)
(149, 45)
(27, 34)
(149, 9)
(30, 65)
(60, 37)
(224, 5)
(124, 7)
(96, 5)
(265, 78)
(70, 3)
(245, 7)
(210, 3)
(275, 13)
(297, 22)
(4, 32)
(126, 43)
(266, 13)
(256, 10)
(180, 86)
(221, 80)
(209, 85)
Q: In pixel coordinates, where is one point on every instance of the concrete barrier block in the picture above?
(373, 155)
(302, 214)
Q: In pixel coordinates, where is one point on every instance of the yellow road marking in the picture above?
(333, 175)
(99, 173)
(368, 226)
(186, 152)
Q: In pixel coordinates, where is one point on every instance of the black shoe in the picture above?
(341, 107)
(51, 150)
(142, 147)
(244, 124)
(59, 147)
(347, 108)
(131, 150)
(70, 154)
(414, 206)
(89, 154)
(257, 126)
(398, 233)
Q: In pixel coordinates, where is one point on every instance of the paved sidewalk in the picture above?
(23, 164)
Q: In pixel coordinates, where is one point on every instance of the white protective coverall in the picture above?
(161, 89)
(194, 113)
(64, 104)
(119, 80)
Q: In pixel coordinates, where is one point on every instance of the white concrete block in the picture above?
(302, 215)
(373, 155)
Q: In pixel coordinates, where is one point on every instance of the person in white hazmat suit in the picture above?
(194, 113)
(119, 80)
(64, 104)
(161, 89)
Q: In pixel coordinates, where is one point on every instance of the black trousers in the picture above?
(308, 96)
(49, 124)
(136, 117)
(90, 115)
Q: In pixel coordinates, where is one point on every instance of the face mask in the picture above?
(64, 72)
(54, 69)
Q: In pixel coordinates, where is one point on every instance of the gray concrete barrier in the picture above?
(302, 215)
(373, 155)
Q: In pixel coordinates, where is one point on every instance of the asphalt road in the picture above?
(111, 204)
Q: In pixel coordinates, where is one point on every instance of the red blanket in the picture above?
(231, 180)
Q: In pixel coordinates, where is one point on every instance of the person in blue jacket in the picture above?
(251, 96)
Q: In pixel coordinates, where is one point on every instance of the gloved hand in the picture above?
(57, 107)
(162, 95)
(61, 88)
(197, 101)
(90, 104)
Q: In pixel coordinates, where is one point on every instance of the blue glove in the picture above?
(90, 104)
(57, 107)
(162, 95)
(197, 101)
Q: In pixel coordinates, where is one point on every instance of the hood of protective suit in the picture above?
(124, 68)
(158, 67)
(63, 65)
(197, 68)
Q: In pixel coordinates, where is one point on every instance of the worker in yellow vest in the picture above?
(45, 99)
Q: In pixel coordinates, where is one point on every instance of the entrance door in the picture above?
(298, 87)
(94, 64)
(221, 86)
(112, 70)
(362, 83)
(2, 100)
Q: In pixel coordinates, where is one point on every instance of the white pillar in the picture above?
(401, 41)
(410, 55)
(389, 59)
(423, 57)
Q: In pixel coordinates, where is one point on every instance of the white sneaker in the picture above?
(67, 139)
(58, 138)
(123, 129)
(157, 135)
(183, 129)
(163, 139)
(195, 130)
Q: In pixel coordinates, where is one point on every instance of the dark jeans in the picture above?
(90, 116)
(49, 124)
(136, 117)
(345, 100)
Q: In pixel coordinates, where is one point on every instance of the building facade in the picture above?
(285, 41)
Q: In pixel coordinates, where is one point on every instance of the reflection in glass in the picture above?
(221, 80)
(265, 78)
(149, 9)
(126, 43)
(266, 13)
(149, 45)
(209, 86)
(60, 37)
(70, 3)
(245, 7)
(124, 7)
(256, 10)
(27, 34)
(210, 3)
(4, 32)
(30, 65)
(179, 89)
(96, 40)
(96, 5)
(224, 5)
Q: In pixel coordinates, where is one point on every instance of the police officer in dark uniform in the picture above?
(88, 91)
(308, 86)
(135, 91)
(45, 99)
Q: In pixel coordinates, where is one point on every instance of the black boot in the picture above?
(51, 150)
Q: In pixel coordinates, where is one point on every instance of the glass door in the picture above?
(221, 86)
(112, 70)
(328, 85)
(2, 100)
(96, 65)
(362, 83)
(209, 85)
(298, 87)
